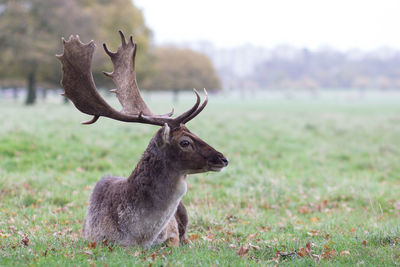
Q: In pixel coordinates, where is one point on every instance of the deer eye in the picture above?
(184, 143)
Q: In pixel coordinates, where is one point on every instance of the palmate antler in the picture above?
(79, 86)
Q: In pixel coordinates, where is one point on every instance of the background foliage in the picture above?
(30, 33)
(179, 69)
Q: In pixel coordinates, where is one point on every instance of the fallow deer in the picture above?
(144, 209)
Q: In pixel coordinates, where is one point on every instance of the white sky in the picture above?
(341, 24)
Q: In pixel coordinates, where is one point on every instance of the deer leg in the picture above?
(182, 220)
(172, 233)
(169, 235)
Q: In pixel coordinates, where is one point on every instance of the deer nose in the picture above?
(218, 159)
(225, 161)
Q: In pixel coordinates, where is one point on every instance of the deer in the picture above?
(145, 208)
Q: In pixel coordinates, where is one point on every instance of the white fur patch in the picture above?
(166, 134)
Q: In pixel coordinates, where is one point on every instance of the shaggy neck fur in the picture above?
(155, 188)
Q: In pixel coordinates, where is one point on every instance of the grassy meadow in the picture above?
(311, 181)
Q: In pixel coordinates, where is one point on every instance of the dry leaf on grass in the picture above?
(25, 240)
(88, 252)
(243, 251)
(193, 237)
(313, 233)
(92, 245)
(255, 247)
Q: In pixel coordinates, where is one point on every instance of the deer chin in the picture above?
(216, 168)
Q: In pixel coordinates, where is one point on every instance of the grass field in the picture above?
(311, 181)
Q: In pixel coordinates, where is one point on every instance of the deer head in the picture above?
(185, 151)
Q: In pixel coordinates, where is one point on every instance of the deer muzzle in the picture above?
(218, 162)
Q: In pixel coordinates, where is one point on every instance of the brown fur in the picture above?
(146, 209)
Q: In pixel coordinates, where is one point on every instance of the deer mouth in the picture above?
(218, 165)
(216, 168)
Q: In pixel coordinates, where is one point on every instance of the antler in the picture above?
(124, 76)
(79, 86)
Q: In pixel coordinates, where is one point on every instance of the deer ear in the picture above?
(165, 134)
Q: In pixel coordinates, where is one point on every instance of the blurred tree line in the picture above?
(249, 67)
(30, 36)
(306, 69)
(178, 69)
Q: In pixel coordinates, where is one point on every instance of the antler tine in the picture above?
(200, 109)
(123, 40)
(169, 114)
(124, 77)
(183, 116)
(93, 120)
(109, 53)
(174, 122)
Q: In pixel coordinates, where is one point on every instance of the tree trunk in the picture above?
(15, 93)
(44, 94)
(175, 96)
(31, 95)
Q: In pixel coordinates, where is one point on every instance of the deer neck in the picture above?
(154, 181)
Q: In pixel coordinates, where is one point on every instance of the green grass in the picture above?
(301, 171)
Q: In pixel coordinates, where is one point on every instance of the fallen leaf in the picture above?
(277, 257)
(92, 245)
(308, 247)
(136, 254)
(252, 236)
(243, 251)
(265, 228)
(210, 237)
(304, 251)
(328, 254)
(254, 246)
(44, 254)
(193, 237)
(25, 240)
(153, 256)
(105, 243)
(304, 210)
(88, 252)
(4, 235)
(313, 233)
(314, 219)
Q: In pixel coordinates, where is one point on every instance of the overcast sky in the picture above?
(340, 24)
